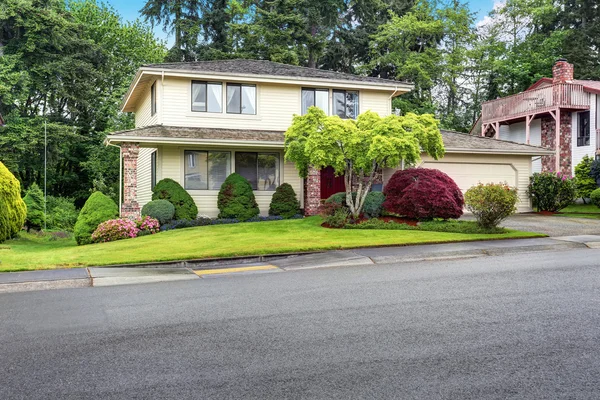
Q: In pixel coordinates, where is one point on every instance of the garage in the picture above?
(472, 159)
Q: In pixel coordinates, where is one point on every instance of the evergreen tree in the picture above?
(34, 199)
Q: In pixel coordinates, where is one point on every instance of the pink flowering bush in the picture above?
(115, 229)
(123, 228)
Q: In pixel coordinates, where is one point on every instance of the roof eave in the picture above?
(112, 139)
(524, 152)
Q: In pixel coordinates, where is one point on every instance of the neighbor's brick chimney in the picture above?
(562, 71)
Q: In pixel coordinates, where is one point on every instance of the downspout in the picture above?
(162, 97)
(391, 97)
(120, 174)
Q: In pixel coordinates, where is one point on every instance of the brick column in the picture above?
(130, 207)
(312, 192)
(549, 142)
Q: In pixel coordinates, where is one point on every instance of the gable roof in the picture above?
(454, 142)
(267, 68)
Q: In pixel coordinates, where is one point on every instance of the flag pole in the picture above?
(45, 169)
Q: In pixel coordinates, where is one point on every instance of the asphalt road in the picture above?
(525, 326)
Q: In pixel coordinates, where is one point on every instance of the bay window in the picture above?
(260, 169)
(345, 104)
(241, 99)
(207, 96)
(206, 170)
(315, 97)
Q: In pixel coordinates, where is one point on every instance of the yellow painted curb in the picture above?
(232, 270)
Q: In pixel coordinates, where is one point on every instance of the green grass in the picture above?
(32, 252)
(581, 209)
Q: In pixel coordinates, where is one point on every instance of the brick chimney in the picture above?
(562, 71)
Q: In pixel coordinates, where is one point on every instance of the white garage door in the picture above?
(466, 174)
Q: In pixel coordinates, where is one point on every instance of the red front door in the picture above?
(331, 184)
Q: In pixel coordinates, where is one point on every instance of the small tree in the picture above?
(34, 199)
(586, 184)
(12, 207)
(284, 202)
(359, 148)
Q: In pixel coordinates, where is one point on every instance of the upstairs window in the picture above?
(261, 169)
(345, 104)
(207, 96)
(241, 99)
(206, 170)
(315, 97)
(153, 99)
(583, 129)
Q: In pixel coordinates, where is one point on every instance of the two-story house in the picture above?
(558, 113)
(198, 122)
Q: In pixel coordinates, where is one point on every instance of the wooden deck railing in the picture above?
(597, 139)
(535, 101)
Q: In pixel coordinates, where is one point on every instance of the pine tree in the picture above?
(34, 199)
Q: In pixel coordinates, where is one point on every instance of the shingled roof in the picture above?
(454, 142)
(267, 68)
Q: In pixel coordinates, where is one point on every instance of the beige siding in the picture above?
(144, 176)
(143, 112)
(469, 169)
(379, 102)
(170, 165)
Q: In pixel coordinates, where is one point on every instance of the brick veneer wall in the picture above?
(562, 72)
(549, 141)
(312, 192)
(130, 207)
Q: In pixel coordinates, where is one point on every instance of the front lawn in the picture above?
(580, 209)
(31, 252)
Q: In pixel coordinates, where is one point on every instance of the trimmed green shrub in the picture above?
(97, 209)
(338, 219)
(339, 198)
(168, 189)
(34, 200)
(373, 204)
(162, 210)
(491, 203)
(61, 213)
(236, 199)
(12, 207)
(422, 193)
(583, 178)
(284, 202)
(595, 197)
(551, 191)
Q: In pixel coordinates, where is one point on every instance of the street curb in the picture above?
(45, 285)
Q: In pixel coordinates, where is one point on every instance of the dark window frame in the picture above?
(186, 152)
(241, 86)
(258, 153)
(205, 83)
(314, 92)
(153, 169)
(583, 130)
(153, 99)
(345, 92)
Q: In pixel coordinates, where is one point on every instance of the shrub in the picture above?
(373, 204)
(34, 200)
(338, 219)
(115, 229)
(147, 226)
(327, 209)
(168, 189)
(12, 207)
(595, 171)
(236, 199)
(162, 210)
(61, 213)
(422, 193)
(583, 178)
(491, 203)
(551, 191)
(284, 202)
(97, 209)
(595, 197)
(338, 198)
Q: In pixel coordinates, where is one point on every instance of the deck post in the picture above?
(557, 139)
(528, 119)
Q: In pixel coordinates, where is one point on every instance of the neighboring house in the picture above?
(531, 117)
(198, 122)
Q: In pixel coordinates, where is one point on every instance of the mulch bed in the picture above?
(547, 213)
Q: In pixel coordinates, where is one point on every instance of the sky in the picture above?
(129, 10)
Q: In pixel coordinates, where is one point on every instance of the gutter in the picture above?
(107, 142)
(212, 142)
(540, 152)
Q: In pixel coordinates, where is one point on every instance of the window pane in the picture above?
(233, 99)
(268, 171)
(214, 97)
(153, 99)
(308, 99)
(248, 99)
(153, 170)
(198, 96)
(339, 104)
(351, 104)
(322, 100)
(196, 170)
(219, 165)
(245, 165)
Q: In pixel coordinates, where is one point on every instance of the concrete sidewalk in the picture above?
(151, 273)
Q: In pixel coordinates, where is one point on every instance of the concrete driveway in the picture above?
(550, 225)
